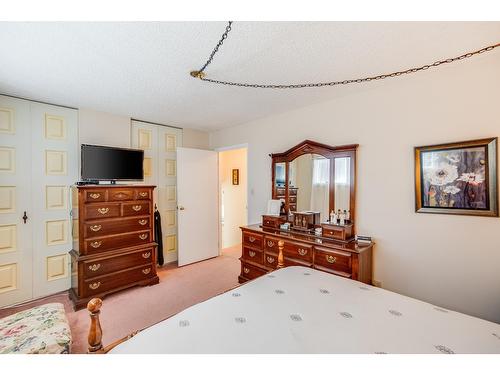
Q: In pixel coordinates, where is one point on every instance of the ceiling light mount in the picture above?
(197, 74)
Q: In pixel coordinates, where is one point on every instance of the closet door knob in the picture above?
(181, 208)
(25, 217)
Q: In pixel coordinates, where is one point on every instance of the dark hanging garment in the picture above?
(158, 236)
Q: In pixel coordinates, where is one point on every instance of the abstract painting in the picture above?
(457, 178)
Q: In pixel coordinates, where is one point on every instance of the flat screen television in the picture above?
(102, 163)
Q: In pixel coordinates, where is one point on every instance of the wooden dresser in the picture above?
(113, 246)
(262, 246)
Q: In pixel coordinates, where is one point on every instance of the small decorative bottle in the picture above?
(335, 218)
(342, 218)
(348, 216)
(332, 217)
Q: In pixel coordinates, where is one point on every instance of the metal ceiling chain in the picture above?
(202, 75)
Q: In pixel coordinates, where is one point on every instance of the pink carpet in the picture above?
(137, 308)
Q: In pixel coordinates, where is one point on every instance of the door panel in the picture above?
(168, 141)
(160, 169)
(197, 182)
(15, 187)
(54, 139)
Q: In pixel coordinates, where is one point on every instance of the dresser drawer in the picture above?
(102, 210)
(108, 282)
(297, 250)
(292, 199)
(272, 221)
(135, 208)
(142, 194)
(99, 228)
(117, 194)
(270, 260)
(100, 244)
(271, 244)
(336, 261)
(98, 195)
(252, 239)
(102, 266)
(251, 272)
(292, 207)
(280, 191)
(252, 255)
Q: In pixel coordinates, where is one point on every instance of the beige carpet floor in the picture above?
(137, 308)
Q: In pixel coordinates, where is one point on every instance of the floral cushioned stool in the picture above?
(42, 329)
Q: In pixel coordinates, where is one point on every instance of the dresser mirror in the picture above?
(315, 177)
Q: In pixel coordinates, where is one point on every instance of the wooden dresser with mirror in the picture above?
(313, 180)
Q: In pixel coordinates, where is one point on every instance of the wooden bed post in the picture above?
(281, 261)
(95, 331)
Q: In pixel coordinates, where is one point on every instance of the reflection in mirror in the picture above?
(279, 174)
(342, 183)
(310, 175)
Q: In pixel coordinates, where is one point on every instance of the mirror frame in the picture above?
(329, 152)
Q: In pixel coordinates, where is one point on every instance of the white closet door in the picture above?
(168, 141)
(54, 134)
(145, 137)
(160, 169)
(15, 199)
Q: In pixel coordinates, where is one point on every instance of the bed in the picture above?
(302, 310)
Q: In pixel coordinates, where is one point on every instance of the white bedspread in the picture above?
(301, 310)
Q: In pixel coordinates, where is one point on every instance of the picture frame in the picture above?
(457, 178)
(236, 176)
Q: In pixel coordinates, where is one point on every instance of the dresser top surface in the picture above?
(352, 246)
(115, 186)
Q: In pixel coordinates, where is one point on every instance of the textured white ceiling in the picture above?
(142, 69)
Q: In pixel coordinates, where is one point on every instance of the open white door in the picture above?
(197, 200)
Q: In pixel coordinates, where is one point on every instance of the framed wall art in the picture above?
(236, 176)
(457, 178)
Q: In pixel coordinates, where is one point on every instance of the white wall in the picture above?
(107, 129)
(195, 139)
(452, 261)
(102, 128)
(234, 196)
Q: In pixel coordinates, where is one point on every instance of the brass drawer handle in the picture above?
(120, 195)
(143, 236)
(302, 251)
(143, 194)
(146, 255)
(143, 222)
(95, 228)
(146, 271)
(251, 253)
(270, 243)
(137, 208)
(96, 244)
(94, 195)
(246, 270)
(103, 211)
(270, 260)
(95, 267)
(251, 239)
(331, 259)
(94, 286)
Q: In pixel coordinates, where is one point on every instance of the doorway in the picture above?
(233, 209)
